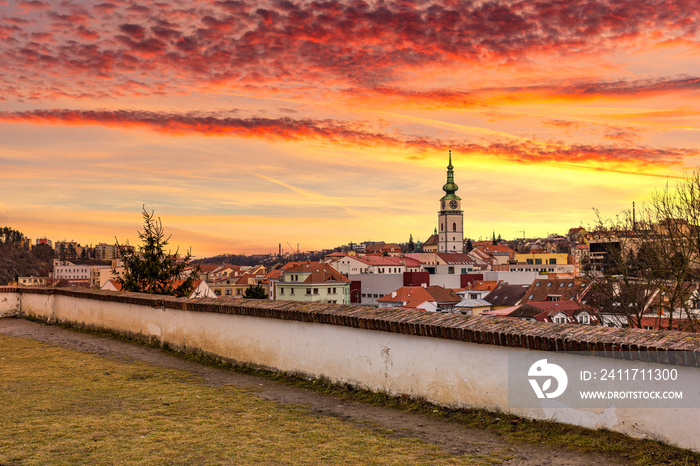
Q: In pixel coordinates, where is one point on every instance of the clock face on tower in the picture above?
(453, 204)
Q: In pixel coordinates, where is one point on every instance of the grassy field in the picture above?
(65, 407)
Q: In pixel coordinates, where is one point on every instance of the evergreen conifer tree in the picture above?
(151, 269)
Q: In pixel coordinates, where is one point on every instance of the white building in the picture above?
(65, 270)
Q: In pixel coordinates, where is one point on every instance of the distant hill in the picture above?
(17, 261)
(231, 259)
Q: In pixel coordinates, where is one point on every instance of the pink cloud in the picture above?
(367, 45)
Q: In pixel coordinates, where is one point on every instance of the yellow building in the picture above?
(542, 258)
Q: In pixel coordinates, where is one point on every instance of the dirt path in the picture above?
(451, 437)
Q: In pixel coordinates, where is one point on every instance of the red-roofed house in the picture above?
(558, 312)
(352, 265)
(313, 282)
(432, 298)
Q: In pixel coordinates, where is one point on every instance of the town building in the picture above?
(431, 299)
(313, 282)
(33, 281)
(362, 264)
(66, 270)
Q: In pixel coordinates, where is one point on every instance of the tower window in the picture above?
(441, 227)
(454, 227)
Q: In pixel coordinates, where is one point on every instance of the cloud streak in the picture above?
(354, 134)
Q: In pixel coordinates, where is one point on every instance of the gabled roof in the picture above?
(566, 288)
(481, 285)
(499, 249)
(275, 274)
(432, 241)
(389, 261)
(443, 295)
(209, 268)
(482, 243)
(471, 303)
(456, 258)
(546, 311)
(317, 273)
(245, 279)
(407, 296)
(414, 296)
(506, 295)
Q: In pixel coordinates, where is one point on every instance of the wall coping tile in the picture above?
(648, 345)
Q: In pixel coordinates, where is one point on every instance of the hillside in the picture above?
(17, 261)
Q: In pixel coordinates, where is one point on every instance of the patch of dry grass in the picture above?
(65, 407)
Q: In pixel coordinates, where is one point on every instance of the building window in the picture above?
(583, 319)
(239, 291)
(308, 291)
(291, 291)
(228, 292)
(528, 261)
(281, 290)
(531, 296)
(538, 261)
(217, 292)
(451, 270)
(454, 227)
(552, 261)
(464, 270)
(559, 320)
(315, 290)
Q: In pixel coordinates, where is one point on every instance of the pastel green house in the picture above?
(313, 282)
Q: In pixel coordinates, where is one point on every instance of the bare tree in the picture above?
(645, 262)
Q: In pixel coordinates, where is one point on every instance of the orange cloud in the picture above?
(356, 134)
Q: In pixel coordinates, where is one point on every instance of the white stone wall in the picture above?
(446, 372)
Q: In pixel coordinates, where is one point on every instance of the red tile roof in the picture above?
(432, 241)
(389, 261)
(318, 272)
(482, 285)
(414, 296)
(456, 259)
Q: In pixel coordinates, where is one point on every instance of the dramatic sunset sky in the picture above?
(247, 124)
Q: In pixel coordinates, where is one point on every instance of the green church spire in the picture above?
(450, 187)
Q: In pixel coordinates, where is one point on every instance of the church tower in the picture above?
(450, 216)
